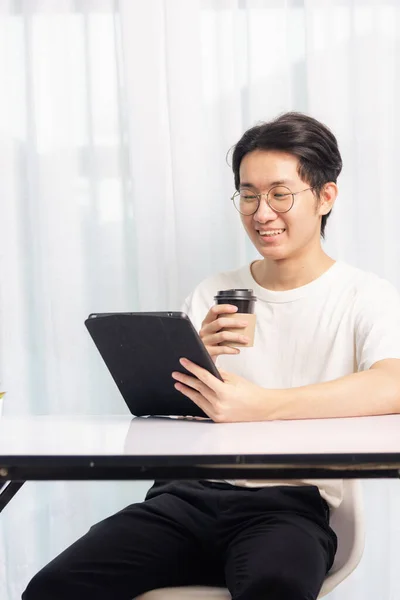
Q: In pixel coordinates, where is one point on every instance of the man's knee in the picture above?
(276, 587)
(46, 585)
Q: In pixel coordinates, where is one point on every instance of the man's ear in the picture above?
(327, 198)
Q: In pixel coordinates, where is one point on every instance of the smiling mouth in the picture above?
(269, 234)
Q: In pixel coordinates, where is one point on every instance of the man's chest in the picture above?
(298, 345)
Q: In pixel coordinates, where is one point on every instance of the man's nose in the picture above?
(264, 211)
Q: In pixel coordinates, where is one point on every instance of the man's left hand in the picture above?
(232, 400)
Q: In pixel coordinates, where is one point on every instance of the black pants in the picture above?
(272, 543)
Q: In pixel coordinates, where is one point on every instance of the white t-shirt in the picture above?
(341, 323)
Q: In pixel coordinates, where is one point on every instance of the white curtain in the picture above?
(115, 121)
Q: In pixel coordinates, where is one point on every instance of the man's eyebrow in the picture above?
(272, 184)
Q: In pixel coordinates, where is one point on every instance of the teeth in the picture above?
(271, 233)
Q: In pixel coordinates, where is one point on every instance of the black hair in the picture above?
(296, 133)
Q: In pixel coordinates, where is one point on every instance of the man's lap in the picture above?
(197, 533)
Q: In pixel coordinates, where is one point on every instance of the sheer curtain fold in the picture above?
(116, 117)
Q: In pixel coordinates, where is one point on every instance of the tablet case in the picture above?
(141, 350)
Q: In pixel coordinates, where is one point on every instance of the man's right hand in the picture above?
(213, 334)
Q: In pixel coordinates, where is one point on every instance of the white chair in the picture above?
(348, 523)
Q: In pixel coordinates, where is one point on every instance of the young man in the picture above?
(327, 345)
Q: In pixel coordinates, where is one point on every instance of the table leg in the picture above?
(8, 489)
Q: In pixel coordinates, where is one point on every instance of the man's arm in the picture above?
(372, 392)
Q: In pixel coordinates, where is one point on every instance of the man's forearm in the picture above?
(372, 392)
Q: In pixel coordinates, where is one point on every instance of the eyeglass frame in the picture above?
(259, 198)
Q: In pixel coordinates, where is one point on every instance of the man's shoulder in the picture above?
(225, 280)
(364, 282)
(358, 276)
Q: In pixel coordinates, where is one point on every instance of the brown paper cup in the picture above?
(248, 331)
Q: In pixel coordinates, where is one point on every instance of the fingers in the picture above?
(221, 323)
(200, 388)
(217, 344)
(191, 382)
(211, 383)
(215, 351)
(196, 397)
(218, 309)
(213, 336)
(207, 330)
(224, 337)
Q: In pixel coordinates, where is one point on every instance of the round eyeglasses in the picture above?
(279, 198)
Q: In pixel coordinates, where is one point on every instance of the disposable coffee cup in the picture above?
(245, 302)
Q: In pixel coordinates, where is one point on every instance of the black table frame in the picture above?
(15, 470)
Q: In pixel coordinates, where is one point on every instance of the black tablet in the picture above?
(141, 350)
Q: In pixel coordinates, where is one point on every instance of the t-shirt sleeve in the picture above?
(196, 306)
(199, 302)
(187, 307)
(377, 324)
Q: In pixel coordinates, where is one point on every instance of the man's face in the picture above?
(259, 171)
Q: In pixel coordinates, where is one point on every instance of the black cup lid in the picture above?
(237, 294)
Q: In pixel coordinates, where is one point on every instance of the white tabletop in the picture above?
(124, 435)
(62, 448)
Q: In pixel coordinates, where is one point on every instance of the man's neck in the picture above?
(291, 273)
